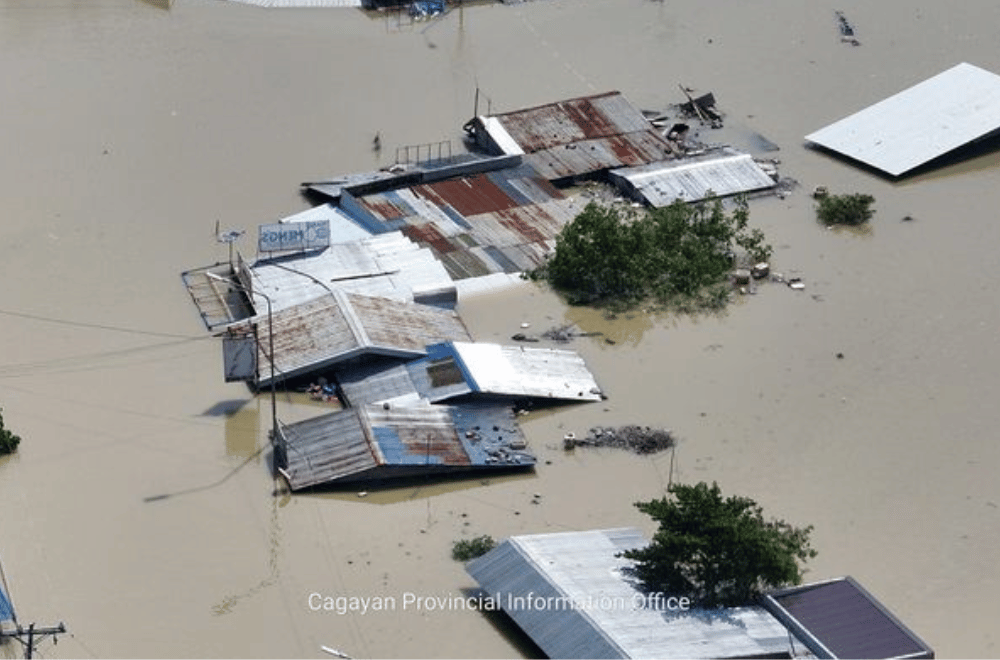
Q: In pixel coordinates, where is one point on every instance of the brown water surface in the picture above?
(140, 508)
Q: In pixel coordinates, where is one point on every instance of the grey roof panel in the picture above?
(597, 611)
(920, 123)
(840, 619)
(718, 174)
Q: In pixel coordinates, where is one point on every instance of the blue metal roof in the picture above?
(6, 609)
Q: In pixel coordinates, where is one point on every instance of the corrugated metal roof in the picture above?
(388, 265)
(522, 371)
(920, 123)
(452, 369)
(578, 136)
(343, 228)
(718, 174)
(375, 442)
(499, 221)
(577, 601)
(6, 609)
(840, 619)
(339, 326)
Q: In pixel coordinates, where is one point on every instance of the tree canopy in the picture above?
(853, 209)
(678, 253)
(8, 440)
(717, 551)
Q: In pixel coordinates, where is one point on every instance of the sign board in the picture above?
(239, 357)
(310, 235)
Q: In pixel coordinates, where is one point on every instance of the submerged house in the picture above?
(605, 136)
(464, 370)
(719, 173)
(575, 138)
(340, 327)
(378, 442)
(572, 594)
(921, 124)
(481, 217)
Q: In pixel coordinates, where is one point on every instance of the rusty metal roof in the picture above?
(382, 441)
(325, 331)
(578, 136)
(502, 221)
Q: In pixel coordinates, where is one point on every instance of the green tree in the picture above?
(467, 549)
(8, 440)
(680, 252)
(717, 551)
(853, 209)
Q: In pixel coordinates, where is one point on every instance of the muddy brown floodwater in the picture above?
(140, 508)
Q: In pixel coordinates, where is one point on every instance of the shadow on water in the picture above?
(978, 155)
(506, 626)
(406, 489)
(198, 489)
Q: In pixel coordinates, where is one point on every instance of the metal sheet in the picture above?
(597, 611)
(920, 123)
(840, 619)
(278, 237)
(718, 174)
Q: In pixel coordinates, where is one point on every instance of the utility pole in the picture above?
(31, 636)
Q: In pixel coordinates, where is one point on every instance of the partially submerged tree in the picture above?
(717, 551)
(679, 253)
(853, 209)
(8, 440)
(467, 549)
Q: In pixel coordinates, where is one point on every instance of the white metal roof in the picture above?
(609, 616)
(522, 371)
(920, 123)
(718, 174)
(388, 266)
(343, 228)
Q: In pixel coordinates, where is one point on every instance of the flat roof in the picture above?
(921, 123)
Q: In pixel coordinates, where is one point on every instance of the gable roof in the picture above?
(340, 326)
(570, 592)
(719, 173)
(921, 123)
(577, 136)
(840, 619)
(456, 368)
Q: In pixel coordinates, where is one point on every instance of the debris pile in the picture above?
(639, 439)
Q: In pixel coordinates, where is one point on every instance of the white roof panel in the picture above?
(921, 123)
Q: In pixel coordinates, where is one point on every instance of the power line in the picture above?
(93, 326)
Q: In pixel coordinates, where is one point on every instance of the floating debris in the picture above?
(846, 30)
(565, 333)
(639, 439)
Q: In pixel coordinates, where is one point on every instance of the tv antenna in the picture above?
(229, 236)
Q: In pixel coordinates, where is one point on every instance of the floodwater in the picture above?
(140, 508)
